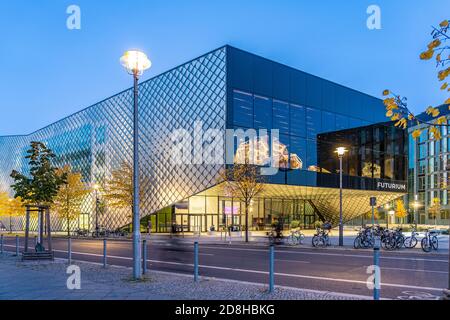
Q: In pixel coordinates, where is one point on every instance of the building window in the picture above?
(243, 109)
(313, 123)
(263, 113)
(298, 120)
(281, 116)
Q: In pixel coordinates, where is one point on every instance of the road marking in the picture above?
(414, 270)
(296, 261)
(259, 272)
(330, 254)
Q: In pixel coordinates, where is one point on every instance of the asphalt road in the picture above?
(404, 275)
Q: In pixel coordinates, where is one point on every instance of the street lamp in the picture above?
(136, 62)
(340, 152)
(96, 187)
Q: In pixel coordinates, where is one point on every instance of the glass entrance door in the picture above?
(195, 223)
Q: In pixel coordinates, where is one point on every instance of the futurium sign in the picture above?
(388, 186)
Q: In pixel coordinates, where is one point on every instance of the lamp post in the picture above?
(96, 187)
(136, 62)
(340, 152)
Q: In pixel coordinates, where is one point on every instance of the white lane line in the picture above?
(330, 254)
(295, 261)
(263, 272)
(414, 270)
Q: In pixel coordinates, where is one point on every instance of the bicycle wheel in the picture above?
(400, 242)
(410, 242)
(425, 245)
(290, 240)
(315, 241)
(389, 244)
(357, 242)
(435, 243)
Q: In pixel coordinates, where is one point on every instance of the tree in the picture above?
(244, 182)
(400, 210)
(12, 207)
(435, 208)
(118, 191)
(70, 196)
(42, 184)
(397, 106)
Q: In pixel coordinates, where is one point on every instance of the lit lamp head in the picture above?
(96, 187)
(136, 62)
(341, 151)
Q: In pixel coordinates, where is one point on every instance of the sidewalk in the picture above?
(47, 281)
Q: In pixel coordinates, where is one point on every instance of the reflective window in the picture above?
(263, 113)
(243, 109)
(281, 116)
(328, 121)
(298, 120)
(313, 123)
(341, 122)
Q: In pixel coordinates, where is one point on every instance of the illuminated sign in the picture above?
(388, 186)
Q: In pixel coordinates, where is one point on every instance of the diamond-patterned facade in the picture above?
(98, 139)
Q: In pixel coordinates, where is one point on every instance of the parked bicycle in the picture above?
(364, 239)
(321, 238)
(430, 242)
(275, 236)
(411, 242)
(295, 238)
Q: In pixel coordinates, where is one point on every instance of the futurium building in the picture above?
(228, 89)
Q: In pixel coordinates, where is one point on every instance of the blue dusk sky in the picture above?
(49, 71)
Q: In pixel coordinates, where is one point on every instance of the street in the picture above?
(404, 275)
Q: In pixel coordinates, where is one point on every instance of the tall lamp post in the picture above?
(96, 187)
(136, 62)
(340, 152)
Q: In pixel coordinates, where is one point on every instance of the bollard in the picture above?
(1, 244)
(69, 250)
(376, 262)
(104, 253)
(35, 241)
(17, 246)
(144, 256)
(195, 261)
(271, 269)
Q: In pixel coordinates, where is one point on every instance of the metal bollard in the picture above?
(271, 269)
(195, 261)
(17, 246)
(377, 282)
(1, 244)
(35, 241)
(69, 250)
(104, 253)
(144, 256)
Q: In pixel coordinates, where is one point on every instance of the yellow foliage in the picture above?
(441, 120)
(400, 211)
(389, 113)
(447, 101)
(444, 24)
(434, 112)
(70, 196)
(443, 74)
(386, 92)
(402, 123)
(427, 55)
(434, 44)
(416, 134)
(13, 207)
(436, 133)
(444, 86)
(395, 117)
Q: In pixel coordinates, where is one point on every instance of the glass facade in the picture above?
(429, 175)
